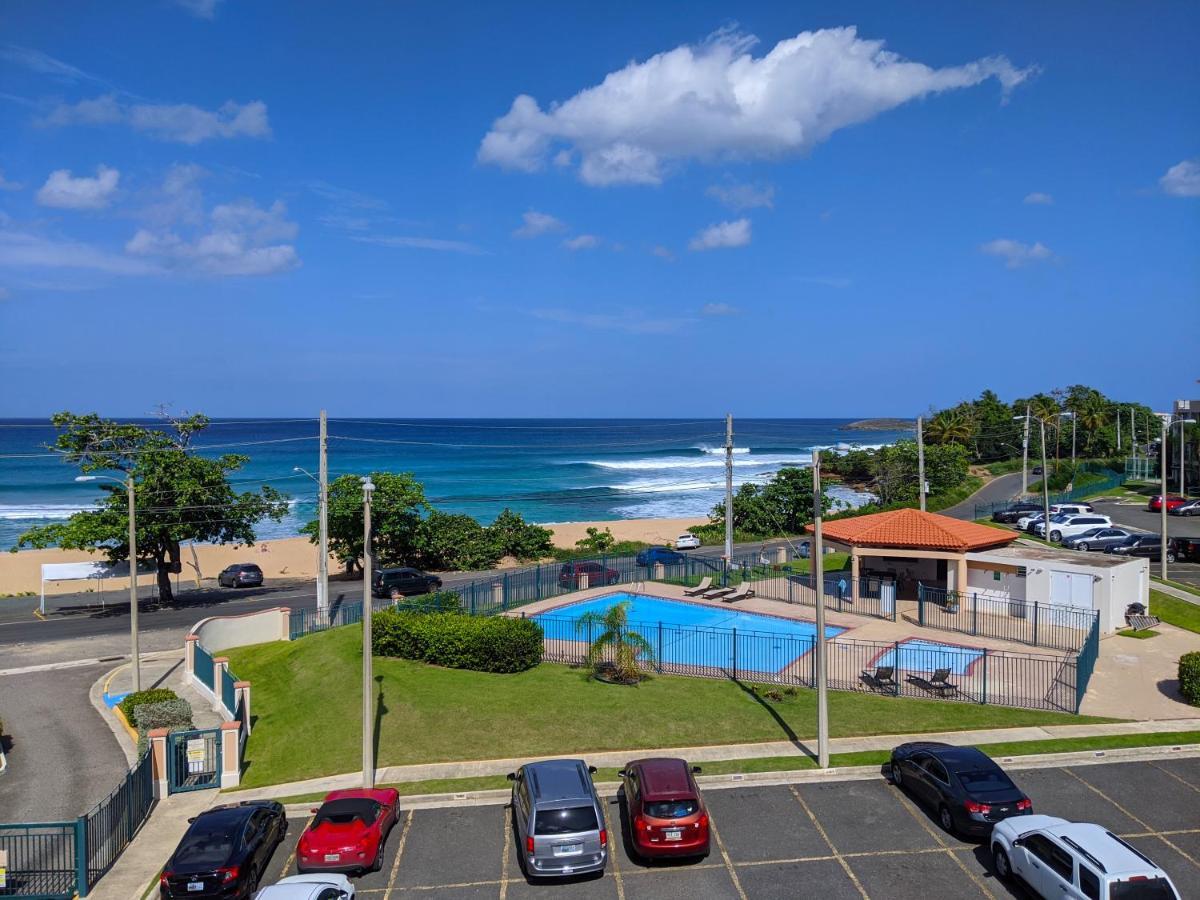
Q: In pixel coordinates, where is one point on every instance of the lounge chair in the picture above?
(716, 592)
(938, 683)
(704, 585)
(744, 594)
(882, 679)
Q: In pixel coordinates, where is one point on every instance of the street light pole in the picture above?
(728, 493)
(816, 566)
(1162, 474)
(1024, 452)
(323, 502)
(368, 709)
(921, 461)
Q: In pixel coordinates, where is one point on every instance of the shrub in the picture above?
(174, 715)
(439, 601)
(1189, 677)
(133, 701)
(493, 644)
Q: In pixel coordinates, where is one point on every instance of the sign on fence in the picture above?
(3, 869)
(196, 755)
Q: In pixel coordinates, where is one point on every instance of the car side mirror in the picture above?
(191, 820)
(511, 776)
(592, 769)
(314, 810)
(621, 774)
(1019, 842)
(695, 770)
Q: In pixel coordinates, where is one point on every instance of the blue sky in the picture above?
(468, 210)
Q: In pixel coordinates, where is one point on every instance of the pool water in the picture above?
(926, 656)
(691, 634)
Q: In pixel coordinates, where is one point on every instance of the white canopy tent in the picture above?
(85, 571)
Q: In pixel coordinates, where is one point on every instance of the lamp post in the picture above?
(133, 599)
(368, 710)
(1024, 451)
(1162, 474)
(1182, 423)
(323, 541)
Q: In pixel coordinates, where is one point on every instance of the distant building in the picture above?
(1188, 410)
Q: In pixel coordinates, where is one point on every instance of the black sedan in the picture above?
(224, 851)
(967, 791)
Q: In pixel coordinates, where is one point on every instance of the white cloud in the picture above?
(201, 9)
(22, 250)
(719, 309)
(344, 197)
(723, 234)
(239, 238)
(421, 243)
(538, 223)
(180, 122)
(1016, 254)
(43, 64)
(582, 242)
(663, 252)
(1182, 179)
(1037, 198)
(743, 196)
(6, 185)
(63, 191)
(715, 101)
(631, 321)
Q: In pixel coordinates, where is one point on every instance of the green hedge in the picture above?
(174, 715)
(494, 644)
(1189, 677)
(439, 601)
(154, 695)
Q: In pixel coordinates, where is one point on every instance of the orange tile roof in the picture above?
(916, 530)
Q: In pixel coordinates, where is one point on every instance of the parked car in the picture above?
(1187, 508)
(664, 555)
(667, 816)
(1174, 501)
(404, 582)
(325, 886)
(572, 574)
(1011, 513)
(241, 575)
(687, 542)
(1026, 522)
(964, 786)
(1037, 470)
(1057, 858)
(348, 831)
(1096, 538)
(224, 851)
(1147, 545)
(1187, 549)
(558, 818)
(1069, 525)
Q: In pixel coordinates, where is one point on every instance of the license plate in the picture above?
(332, 857)
(195, 885)
(568, 849)
(673, 834)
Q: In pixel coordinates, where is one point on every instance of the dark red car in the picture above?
(348, 832)
(571, 575)
(667, 816)
(1174, 501)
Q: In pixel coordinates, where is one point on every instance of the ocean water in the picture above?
(550, 470)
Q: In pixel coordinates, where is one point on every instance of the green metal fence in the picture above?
(1052, 625)
(1111, 481)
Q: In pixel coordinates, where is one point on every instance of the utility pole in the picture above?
(1025, 455)
(136, 661)
(323, 503)
(816, 561)
(368, 709)
(921, 462)
(728, 492)
(1133, 432)
(1162, 474)
(1118, 428)
(1045, 484)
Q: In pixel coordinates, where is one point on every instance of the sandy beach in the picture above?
(291, 557)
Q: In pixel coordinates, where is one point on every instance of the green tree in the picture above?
(950, 426)
(597, 541)
(396, 515)
(512, 536)
(179, 495)
(452, 541)
(626, 647)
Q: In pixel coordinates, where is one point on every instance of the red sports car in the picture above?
(1173, 502)
(667, 816)
(348, 832)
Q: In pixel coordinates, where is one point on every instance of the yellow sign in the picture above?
(195, 750)
(3, 869)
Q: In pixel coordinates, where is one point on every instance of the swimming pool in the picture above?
(692, 634)
(927, 656)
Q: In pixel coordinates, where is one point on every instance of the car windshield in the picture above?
(1146, 889)
(671, 809)
(343, 812)
(565, 821)
(204, 848)
(982, 780)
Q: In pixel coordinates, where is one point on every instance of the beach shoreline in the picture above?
(288, 557)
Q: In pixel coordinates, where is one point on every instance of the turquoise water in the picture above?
(926, 656)
(690, 634)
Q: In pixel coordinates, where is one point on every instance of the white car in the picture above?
(314, 886)
(1026, 522)
(1066, 526)
(1076, 860)
(687, 542)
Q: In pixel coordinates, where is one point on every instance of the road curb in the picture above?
(96, 696)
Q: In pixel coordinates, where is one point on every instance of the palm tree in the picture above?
(626, 647)
(950, 426)
(1091, 417)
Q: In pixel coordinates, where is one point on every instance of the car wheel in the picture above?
(897, 775)
(1056, 535)
(251, 884)
(1000, 863)
(1170, 557)
(1082, 546)
(945, 819)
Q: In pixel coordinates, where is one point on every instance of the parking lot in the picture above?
(850, 839)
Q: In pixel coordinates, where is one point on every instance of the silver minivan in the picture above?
(559, 820)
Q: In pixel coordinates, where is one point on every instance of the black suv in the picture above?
(1011, 513)
(403, 583)
(241, 575)
(1148, 545)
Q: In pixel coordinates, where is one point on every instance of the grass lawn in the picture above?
(307, 705)
(1143, 635)
(1179, 613)
(936, 502)
(793, 763)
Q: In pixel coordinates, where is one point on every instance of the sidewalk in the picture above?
(1174, 592)
(474, 768)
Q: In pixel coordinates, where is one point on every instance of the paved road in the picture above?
(1137, 516)
(1004, 487)
(852, 839)
(63, 758)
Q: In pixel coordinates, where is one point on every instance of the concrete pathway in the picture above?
(475, 768)
(1140, 678)
(1174, 592)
